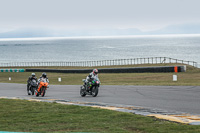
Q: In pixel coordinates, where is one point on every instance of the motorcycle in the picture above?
(92, 88)
(43, 89)
(32, 87)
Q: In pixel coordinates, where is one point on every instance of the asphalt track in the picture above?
(171, 98)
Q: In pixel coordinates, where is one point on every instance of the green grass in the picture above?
(189, 78)
(26, 116)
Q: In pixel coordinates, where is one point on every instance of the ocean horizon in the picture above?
(91, 48)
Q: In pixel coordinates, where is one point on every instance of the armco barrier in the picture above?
(12, 70)
(161, 69)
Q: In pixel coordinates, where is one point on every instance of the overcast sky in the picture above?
(97, 14)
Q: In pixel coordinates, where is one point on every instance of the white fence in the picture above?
(133, 61)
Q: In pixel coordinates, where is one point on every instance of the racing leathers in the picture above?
(89, 79)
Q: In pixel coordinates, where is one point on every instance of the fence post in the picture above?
(156, 60)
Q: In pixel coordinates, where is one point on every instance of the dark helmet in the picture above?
(44, 75)
(95, 71)
(33, 75)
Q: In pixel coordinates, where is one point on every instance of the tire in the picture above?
(28, 90)
(32, 91)
(82, 92)
(95, 91)
(43, 90)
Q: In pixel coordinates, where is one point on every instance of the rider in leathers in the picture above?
(92, 75)
(30, 79)
(44, 76)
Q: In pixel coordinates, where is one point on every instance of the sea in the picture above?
(70, 49)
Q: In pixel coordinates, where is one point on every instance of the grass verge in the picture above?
(26, 116)
(189, 78)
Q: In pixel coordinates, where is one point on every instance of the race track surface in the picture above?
(172, 98)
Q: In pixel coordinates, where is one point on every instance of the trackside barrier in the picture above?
(118, 62)
(161, 69)
(12, 70)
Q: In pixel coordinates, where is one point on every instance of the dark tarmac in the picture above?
(171, 98)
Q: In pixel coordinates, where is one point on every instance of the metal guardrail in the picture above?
(133, 61)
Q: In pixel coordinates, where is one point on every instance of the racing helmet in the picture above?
(33, 75)
(44, 75)
(95, 71)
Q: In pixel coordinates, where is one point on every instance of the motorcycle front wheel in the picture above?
(43, 90)
(28, 91)
(95, 91)
(82, 91)
(33, 90)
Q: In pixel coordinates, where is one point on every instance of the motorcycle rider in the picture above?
(30, 78)
(92, 75)
(44, 76)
